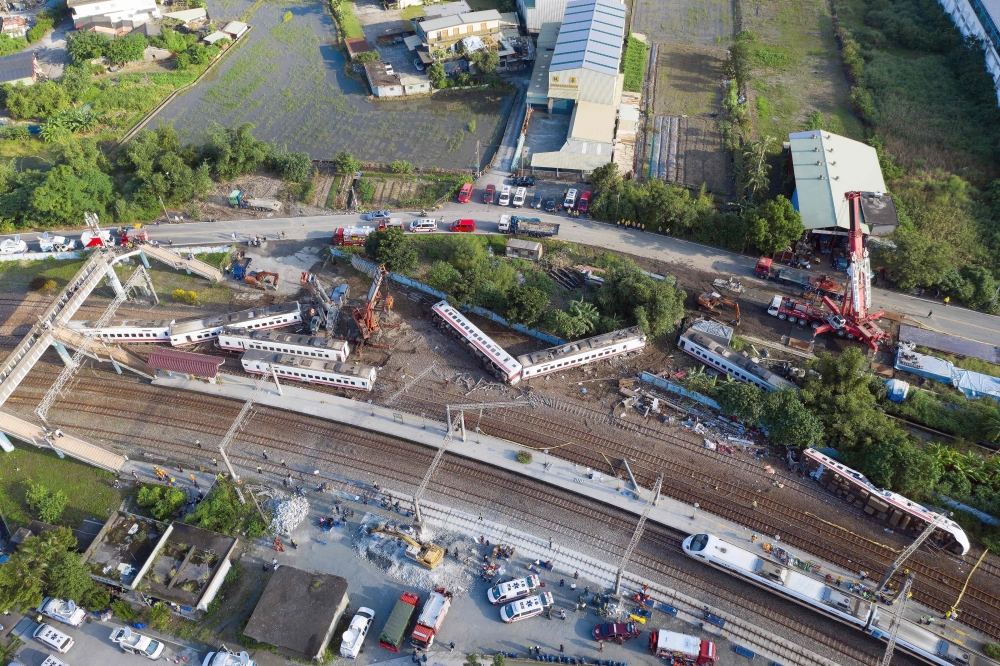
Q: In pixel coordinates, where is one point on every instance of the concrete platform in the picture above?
(67, 444)
(502, 453)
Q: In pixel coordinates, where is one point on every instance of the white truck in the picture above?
(66, 612)
(431, 618)
(134, 643)
(226, 657)
(682, 649)
(354, 637)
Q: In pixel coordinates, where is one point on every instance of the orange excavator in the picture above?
(709, 301)
(261, 279)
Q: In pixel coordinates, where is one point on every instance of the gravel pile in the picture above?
(288, 514)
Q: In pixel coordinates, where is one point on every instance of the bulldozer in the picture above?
(261, 279)
(425, 554)
(710, 300)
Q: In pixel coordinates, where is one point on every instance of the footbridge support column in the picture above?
(63, 354)
(116, 284)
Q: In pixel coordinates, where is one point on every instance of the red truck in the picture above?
(795, 311)
(137, 234)
(682, 649)
(431, 618)
(351, 235)
(763, 268)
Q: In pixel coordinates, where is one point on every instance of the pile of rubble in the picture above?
(288, 513)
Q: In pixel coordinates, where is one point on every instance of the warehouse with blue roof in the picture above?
(582, 79)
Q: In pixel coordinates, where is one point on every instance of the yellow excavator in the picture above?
(425, 554)
(710, 300)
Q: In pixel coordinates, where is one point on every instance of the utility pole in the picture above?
(909, 550)
(895, 620)
(637, 534)
(477, 158)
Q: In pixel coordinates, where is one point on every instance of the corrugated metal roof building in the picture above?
(828, 166)
(587, 54)
(174, 361)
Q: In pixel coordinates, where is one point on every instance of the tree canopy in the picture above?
(630, 295)
(774, 225)
(392, 248)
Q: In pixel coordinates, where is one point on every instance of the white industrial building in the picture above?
(114, 12)
(536, 13)
(979, 18)
(579, 76)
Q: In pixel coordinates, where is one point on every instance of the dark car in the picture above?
(618, 632)
(524, 181)
(536, 201)
(550, 205)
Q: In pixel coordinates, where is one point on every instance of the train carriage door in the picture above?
(189, 338)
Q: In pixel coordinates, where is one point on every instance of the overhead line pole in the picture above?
(637, 534)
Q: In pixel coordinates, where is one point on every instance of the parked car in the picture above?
(570, 199)
(524, 181)
(550, 205)
(419, 66)
(519, 196)
(377, 215)
(66, 612)
(536, 201)
(134, 643)
(52, 638)
(354, 637)
(489, 193)
(583, 205)
(504, 196)
(463, 225)
(618, 632)
(424, 224)
(465, 193)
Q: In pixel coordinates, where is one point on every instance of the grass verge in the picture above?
(88, 489)
(412, 12)
(16, 275)
(636, 54)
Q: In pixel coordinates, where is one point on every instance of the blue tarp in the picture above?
(972, 384)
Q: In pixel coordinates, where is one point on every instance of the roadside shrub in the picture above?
(400, 166)
(366, 190)
(346, 163)
(42, 284)
(162, 502)
(368, 56)
(189, 297)
(294, 167)
(124, 612)
(287, 17)
(472, 127)
(47, 504)
(524, 457)
(159, 616)
(38, 30)
(992, 650)
(10, 45)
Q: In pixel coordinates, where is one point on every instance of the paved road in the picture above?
(683, 254)
(50, 51)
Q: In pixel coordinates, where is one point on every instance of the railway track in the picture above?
(535, 502)
(687, 483)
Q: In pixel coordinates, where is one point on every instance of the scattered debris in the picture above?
(288, 513)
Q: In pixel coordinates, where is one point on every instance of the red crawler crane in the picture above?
(367, 317)
(853, 317)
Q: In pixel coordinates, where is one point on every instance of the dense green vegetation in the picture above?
(47, 565)
(930, 110)
(672, 209)
(634, 63)
(221, 511)
(152, 166)
(468, 269)
(844, 406)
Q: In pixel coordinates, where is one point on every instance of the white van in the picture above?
(519, 197)
(504, 196)
(354, 637)
(525, 608)
(52, 661)
(51, 637)
(512, 590)
(424, 224)
(570, 199)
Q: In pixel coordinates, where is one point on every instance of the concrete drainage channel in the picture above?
(736, 631)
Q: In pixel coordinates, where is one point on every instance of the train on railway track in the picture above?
(713, 353)
(897, 512)
(192, 331)
(581, 352)
(510, 370)
(130, 330)
(312, 371)
(243, 339)
(494, 358)
(779, 574)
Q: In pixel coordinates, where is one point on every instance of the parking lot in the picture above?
(387, 25)
(93, 646)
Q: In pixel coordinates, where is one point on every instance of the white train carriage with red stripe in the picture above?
(494, 358)
(313, 371)
(202, 330)
(581, 352)
(129, 330)
(244, 339)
